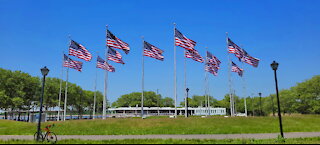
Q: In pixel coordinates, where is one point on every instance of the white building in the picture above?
(162, 111)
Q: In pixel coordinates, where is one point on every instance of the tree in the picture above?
(167, 102)
(150, 100)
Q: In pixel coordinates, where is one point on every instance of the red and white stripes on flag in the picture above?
(115, 42)
(193, 54)
(68, 62)
(212, 64)
(242, 54)
(76, 49)
(152, 51)
(114, 56)
(251, 60)
(104, 65)
(236, 69)
(183, 41)
(211, 69)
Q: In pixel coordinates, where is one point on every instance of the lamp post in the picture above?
(186, 106)
(260, 105)
(44, 72)
(274, 66)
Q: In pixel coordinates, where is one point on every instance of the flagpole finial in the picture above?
(174, 24)
(69, 36)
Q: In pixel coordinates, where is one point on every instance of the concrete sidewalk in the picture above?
(169, 136)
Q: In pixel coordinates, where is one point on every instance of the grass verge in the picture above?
(193, 125)
(313, 140)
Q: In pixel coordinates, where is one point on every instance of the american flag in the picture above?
(104, 65)
(68, 62)
(76, 49)
(114, 56)
(212, 69)
(251, 60)
(211, 59)
(114, 42)
(152, 51)
(212, 64)
(234, 48)
(242, 54)
(194, 54)
(183, 41)
(235, 68)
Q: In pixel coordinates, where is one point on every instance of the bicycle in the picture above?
(47, 135)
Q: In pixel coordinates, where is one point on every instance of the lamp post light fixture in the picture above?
(274, 66)
(44, 72)
(186, 106)
(260, 104)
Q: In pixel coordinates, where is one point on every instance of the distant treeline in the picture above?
(20, 91)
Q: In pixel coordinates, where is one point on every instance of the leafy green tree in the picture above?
(167, 102)
(151, 99)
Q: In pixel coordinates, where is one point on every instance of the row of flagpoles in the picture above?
(212, 64)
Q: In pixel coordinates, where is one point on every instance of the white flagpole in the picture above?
(105, 83)
(66, 91)
(229, 75)
(175, 73)
(95, 93)
(207, 87)
(142, 79)
(244, 92)
(66, 96)
(185, 84)
(60, 90)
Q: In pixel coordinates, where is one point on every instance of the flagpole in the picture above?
(60, 90)
(66, 91)
(142, 79)
(244, 92)
(185, 84)
(207, 86)
(175, 72)
(105, 82)
(95, 93)
(229, 76)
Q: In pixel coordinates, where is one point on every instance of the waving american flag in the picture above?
(152, 51)
(114, 56)
(115, 42)
(241, 54)
(68, 62)
(212, 64)
(76, 49)
(236, 69)
(104, 65)
(183, 41)
(194, 54)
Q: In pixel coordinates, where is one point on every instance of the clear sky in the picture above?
(34, 33)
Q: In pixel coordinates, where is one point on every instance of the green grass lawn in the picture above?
(193, 125)
(314, 140)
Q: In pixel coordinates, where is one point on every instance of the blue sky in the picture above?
(34, 34)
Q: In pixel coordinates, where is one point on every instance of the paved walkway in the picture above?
(191, 136)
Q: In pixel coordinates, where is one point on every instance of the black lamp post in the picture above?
(44, 72)
(186, 107)
(274, 66)
(260, 104)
